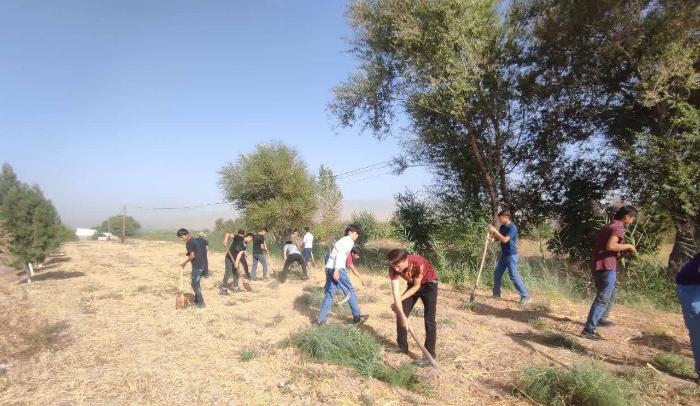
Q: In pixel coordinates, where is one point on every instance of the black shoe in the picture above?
(591, 335)
(361, 319)
(223, 291)
(605, 323)
(319, 323)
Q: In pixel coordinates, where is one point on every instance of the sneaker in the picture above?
(361, 319)
(223, 291)
(524, 300)
(343, 300)
(201, 305)
(237, 290)
(396, 350)
(592, 335)
(266, 278)
(494, 296)
(319, 323)
(605, 323)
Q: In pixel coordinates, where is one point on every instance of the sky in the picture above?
(140, 103)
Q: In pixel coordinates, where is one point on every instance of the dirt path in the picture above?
(98, 326)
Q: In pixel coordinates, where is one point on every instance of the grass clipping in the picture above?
(581, 385)
(353, 347)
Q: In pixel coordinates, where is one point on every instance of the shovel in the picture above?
(180, 299)
(269, 261)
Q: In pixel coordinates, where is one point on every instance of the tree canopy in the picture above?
(272, 187)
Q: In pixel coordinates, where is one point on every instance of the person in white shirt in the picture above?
(291, 255)
(308, 248)
(337, 275)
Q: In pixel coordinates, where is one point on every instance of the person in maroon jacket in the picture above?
(422, 284)
(608, 245)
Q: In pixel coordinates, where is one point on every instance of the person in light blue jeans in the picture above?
(688, 290)
(507, 235)
(330, 289)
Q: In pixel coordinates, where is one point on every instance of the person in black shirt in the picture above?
(195, 254)
(259, 250)
(233, 261)
(238, 239)
(203, 241)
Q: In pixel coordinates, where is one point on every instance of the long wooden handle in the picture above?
(481, 266)
(182, 276)
(426, 354)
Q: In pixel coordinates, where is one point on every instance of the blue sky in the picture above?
(106, 103)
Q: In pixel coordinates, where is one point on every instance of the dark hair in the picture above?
(241, 231)
(251, 235)
(352, 228)
(295, 230)
(396, 255)
(505, 213)
(306, 228)
(624, 211)
(181, 232)
(263, 229)
(355, 250)
(288, 242)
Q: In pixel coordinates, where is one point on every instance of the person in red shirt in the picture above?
(422, 283)
(606, 247)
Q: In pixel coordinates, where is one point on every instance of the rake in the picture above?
(246, 284)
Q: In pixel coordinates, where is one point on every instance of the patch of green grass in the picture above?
(560, 340)
(584, 384)
(418, 311)
(539, 306)
(247, 355)
(352, 347)
(315, 297)
(674, 364)
(468, 304)
(642, 380)
(537, 323)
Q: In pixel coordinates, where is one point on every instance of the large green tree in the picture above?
(272, 187)
(115, 225)
(445, 65)
(623, 75)
(33, 225)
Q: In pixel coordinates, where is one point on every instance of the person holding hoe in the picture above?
(507, 234)
(195, 254)
(337, 275)
(291, 254)
(234, 257)
(607, 246)
(350, 264)
(422, 284)
(259, 250)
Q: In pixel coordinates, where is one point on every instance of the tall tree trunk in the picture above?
(686, 243)
(485, 173)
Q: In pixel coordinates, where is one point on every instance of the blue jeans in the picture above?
(196, 287)
(307, 254)
(689, 297)
(330, 289)
(263, 260)
(603, 302)
(509, 262)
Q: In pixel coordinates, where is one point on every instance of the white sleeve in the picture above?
(343, 248)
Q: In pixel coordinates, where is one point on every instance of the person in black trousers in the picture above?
(422, 284)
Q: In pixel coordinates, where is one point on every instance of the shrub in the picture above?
(674, 364)
(585, 385)
(247, 355)
(352, 347)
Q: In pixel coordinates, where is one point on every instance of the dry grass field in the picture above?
(98, 325)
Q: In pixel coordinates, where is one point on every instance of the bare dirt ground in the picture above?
(98, 325)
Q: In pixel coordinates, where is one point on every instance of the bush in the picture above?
(352, 347)
(676, 365)
(247, 355)
(584, 385)
(368, 224)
